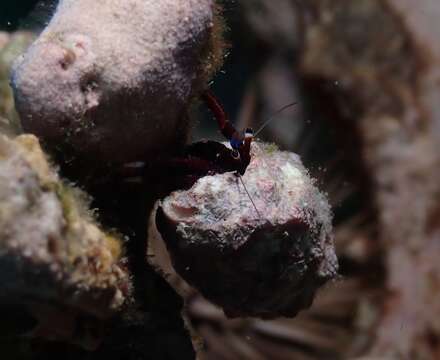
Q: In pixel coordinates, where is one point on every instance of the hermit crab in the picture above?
(246, 225)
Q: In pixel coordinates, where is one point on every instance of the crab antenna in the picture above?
(247, 192)
(273, 116)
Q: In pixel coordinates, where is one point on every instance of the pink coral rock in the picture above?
(265, 257)
(113, 79)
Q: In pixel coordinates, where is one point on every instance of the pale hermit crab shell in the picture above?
(267, 263)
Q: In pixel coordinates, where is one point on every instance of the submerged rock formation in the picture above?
(113, 81)
(54, 258)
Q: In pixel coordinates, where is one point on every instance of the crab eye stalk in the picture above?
(248, 133)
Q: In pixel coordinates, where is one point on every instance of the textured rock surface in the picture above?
(264, 264)
(112, 80)
(51, 251)
(11, 46)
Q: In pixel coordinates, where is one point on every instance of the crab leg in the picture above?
(226, 127)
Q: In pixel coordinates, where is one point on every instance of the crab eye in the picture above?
(235, 154)
(249, 133)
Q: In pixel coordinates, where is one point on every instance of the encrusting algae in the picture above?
(51, 249)
(11, 46)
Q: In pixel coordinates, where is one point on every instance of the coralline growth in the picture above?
(265, 261)
(115, 76)
(53, 255)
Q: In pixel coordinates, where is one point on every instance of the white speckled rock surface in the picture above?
(51, 250)
(266, 264)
